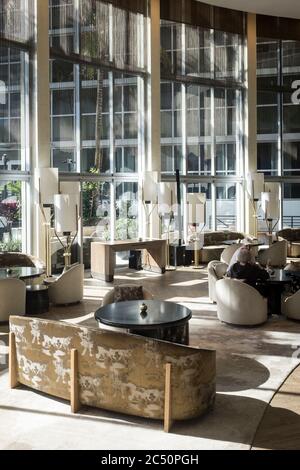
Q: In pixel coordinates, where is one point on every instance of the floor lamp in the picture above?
(149, 196)
(166, 199)
(255, 187)
(196, 218)
(270, 207)
(47, 184)
(66, 223)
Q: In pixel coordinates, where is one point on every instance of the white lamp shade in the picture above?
(255, 184)
(196, 208)
(150, 187)
(66, 212)
(270, 205)
(166, 197)
(47, 184)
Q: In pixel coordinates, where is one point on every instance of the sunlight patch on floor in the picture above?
(189, 283)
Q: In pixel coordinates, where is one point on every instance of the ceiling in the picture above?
(287, 8)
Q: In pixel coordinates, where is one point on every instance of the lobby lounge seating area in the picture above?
(149, 225)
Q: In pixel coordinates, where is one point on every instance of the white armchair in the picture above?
(13, 298)
(68, 287)
(276, 254)
(229, 251)
(216, 270)
(290, 306)
(240, 304)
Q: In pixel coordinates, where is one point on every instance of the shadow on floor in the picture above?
(236, 373)
(279, 430)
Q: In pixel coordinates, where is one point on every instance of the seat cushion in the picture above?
(123, 293)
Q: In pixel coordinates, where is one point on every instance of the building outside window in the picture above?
(278, 117)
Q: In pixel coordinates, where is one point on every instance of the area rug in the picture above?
(252, 364)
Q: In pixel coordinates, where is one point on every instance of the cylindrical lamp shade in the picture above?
(255, 184)
(166, 197)
(270, 205)
(150, 187)
(47, 184)
(66, 212)
(196, 208)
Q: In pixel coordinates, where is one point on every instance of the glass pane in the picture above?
(10, 216)
(198, 52)
(204, 188)
(62, 25)
(12, 99)
(267, 62)
(291, 205)
(17, 20)
(227, 55)
(95, 215)
(226, 206)
(63, 159)
(126, 211)
(267, 157)
(290, 62)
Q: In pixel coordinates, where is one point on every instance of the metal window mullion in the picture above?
(111, 35)
(111, 121)
(212, 128)
(213, 206)
(112, 210)
(77, 119)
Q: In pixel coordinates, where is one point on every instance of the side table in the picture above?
(37, 299)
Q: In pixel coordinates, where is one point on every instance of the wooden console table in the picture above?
(103, 256)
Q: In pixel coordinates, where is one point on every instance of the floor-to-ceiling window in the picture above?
(98, 77)
(16, 44)
(278, 113)
(202, 71)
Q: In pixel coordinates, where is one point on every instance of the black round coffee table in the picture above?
(20, 272)
(163, 320)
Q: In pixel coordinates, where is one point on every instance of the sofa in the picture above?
(214, 244)
(292, 236)
(20, 260)
(23, 260)
(13, 298)
(119, 372)
(275, 255)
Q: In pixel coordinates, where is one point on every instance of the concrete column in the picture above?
(40, 118)
(153, 161)
(250, 116)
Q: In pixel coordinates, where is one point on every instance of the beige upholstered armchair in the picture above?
(240, 304)
(68, 287)
(12, 298)
(290, 306)
(276, 254)
(229, 251)
(109, 298)
(216, 270)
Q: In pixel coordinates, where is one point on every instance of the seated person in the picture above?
(245, 247)
(245, 270)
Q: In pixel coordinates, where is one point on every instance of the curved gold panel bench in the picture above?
(111, 370)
